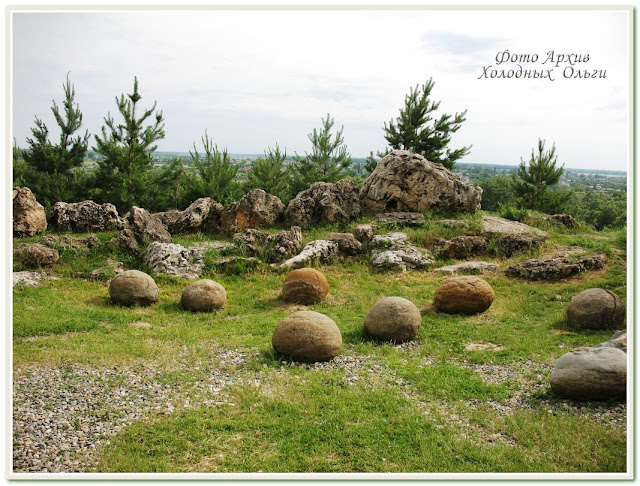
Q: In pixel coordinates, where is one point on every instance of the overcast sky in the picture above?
(254, 78)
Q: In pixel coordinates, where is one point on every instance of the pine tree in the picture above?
(123, 172)
(327, 160)
(212, 175)
(416, 130)
(49, 166)
(269, 174)
(533, 183)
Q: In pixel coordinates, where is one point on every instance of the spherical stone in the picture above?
(591, 374)
(133, 287)
(204, 296)
(393, 319)
(305, 286)
(596, 309)
(464, 295)
(307, 336)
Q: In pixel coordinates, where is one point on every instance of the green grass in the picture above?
(395, 417)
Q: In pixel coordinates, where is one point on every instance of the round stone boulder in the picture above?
(307, 336)
(204, 296)
(133, 287)
(393, 319)
(591, 374)
(464, 295)
(305, 286)
(596, 309)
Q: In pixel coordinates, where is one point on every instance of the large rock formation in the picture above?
(315, 251)
(257, 209)
(324, 202)
(404, 181)
(141, 230)
(29, 217)
(203, 214)
(174, 260)
(85, 216)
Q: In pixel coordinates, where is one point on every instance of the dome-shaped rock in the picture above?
(464, 295)
(133, 287)
(305, 286)
(596, 309)
(204, 296)
(591, 374)
(393, 319)
(307, 336)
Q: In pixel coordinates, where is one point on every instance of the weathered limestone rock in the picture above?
(29, 217)
(347, 243)
(401, 218)
(496, 225)
(591, 374)
(510, 245)
(175, 260)
(256, 209)
(324, 202)
(364, 233)
(565, 220)
(453, 223)
(464, 295)
(556, 267)
(393, 319)
(30, 279)
(307, 336)
(284, 244)
(393, 252)
(133, 287)
(108, 271)
(141, 230)
(314, 251)
(460, 247)
(66, 242)
(204, 296)
(618, 340)
(203, 214)
(305, 286)
(85, 216)
(35, 255)
(596, 309)
(404, 181)
(469, 268)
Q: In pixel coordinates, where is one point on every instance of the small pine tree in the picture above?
(329, 157)
(533, 183)
(123, 172)
(212, 175)
(269, 174)
(416, 130)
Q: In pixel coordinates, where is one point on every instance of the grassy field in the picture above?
(432, 405)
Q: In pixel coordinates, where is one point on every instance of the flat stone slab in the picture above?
(30, 279)
(469, 268)
(497, 225)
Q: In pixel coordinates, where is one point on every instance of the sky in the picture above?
(254, 78)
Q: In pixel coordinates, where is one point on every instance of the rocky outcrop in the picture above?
(404, 181)
(555, 267)
(460, 247)
(401, 219)
(494, 225)
(85, 216)
(394, 252)
(324, 202)
(596, 309)
(141, 230)
(203, 214)
(174, 260)
(29, 217)
(35, 255)
(257, 209)
(321, 251)
(510, 245)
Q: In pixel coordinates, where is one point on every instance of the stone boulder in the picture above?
(257, 209)
(174, 260)
(494, 225)
(204, 296)
(469, 268)
(29, 217)
(324, 202)
(401, 219)
(555, 267)
(364, 233)
(305, 286)
(404, 181)
(133, 287)
(510, 245)
(591, 374)
(347, 243)
(273, 248)
(618, 340)
(141, 230)
(565, 220)
(460, 247)
(464, 295)
(596, 309)
(110, 269)
(321, 251)
(393, 319)
(67, 243)
(307, 336)
(30, 279)
(394, 252)
(35, 255)
(85, 216)
(203, 214)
